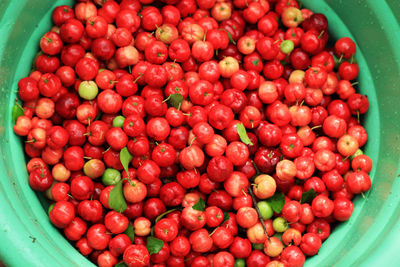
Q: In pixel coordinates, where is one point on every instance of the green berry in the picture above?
(118, 121)
(287, 46)
(111, 176)
(265, 210)
(88, 90)
(259, 246)
(358, 152)
(280, 225)
(240, 263)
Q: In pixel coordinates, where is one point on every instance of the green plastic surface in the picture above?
(369, 238)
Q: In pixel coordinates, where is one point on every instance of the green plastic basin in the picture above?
(369, 238)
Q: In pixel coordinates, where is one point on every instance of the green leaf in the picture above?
(230, 37)
(226, 217)
(116, 200)
(16, 111)
(98, 117)
(125, 157)
(255, 62)
(130, 232)
(298, 181)
(154, 245)
(175, 100)
(283, 62)
(307, 197)
(121, 264)
(200, 205)
(159, 217)
(277, 201)
(243, 134)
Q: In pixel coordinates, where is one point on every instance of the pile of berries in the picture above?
(194, 132)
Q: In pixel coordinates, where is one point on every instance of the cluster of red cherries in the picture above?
(194, 132)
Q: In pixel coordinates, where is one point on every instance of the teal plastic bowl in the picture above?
(369, 238)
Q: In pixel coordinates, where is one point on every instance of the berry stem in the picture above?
(253, 197)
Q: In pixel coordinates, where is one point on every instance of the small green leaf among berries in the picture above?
(125, 157)
(243, 134)
(307, 197)
(277, 201)
(116, 201)
(154, 245)
(200, 205)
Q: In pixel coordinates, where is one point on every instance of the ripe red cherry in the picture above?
(214, 216)
(60, 191)
(90, 210)
(222, 237)
(51, 43)
(153, 207)
(220, 116)
(136, 255)
(62, 214)
(109, 101)
(278, 113)
(128, 19)
(246, 217)
(71, 31)
(148, 172)
(315, 77)
(358, 182)
(172, 194)
(87, 68)
(96, 27)
(223, 258)
(166, 230)
(200, 241)
(219, 168)
(250, 117)
(162, 255)
(193, 219)
(116, 138)
(358, 103)
(362, 163)
(291, 145)
(103, 48)
(237, 153)
(348, 71)
(324, 160)
(345, 47)
(82, 187)
(28, 89)
(201, 92)
(75, 229)
(61, 14)
(158, 128)
(236, 184)
(73, 158)
(310, 244)
(334, 126)
(293, 256)
(269, 135)
(322, 206)
(188, 179)
(180, 246)
(118, 244)
(266, 159)
(116, 222)
(204, 132)
(292, 211)
(164, 155)
(343, 208)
